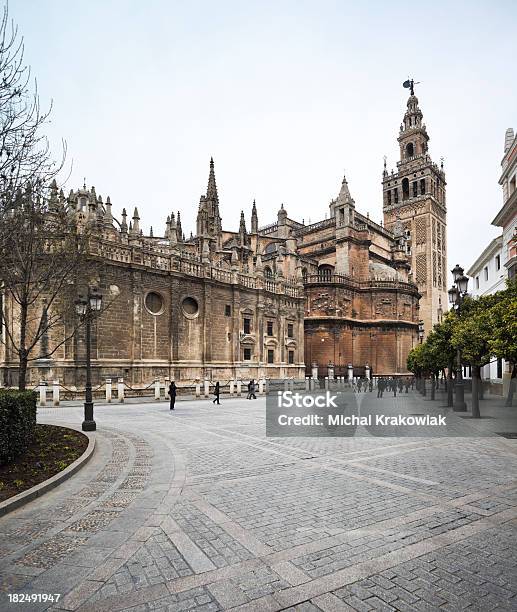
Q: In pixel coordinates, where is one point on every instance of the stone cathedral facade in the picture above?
(277, 300)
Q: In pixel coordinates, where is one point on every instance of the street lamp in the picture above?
(456, 295)
(87, 307)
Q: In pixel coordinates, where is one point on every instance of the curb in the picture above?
(26, 496)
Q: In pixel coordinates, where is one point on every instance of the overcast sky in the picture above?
(285, 95)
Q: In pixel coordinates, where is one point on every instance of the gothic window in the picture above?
(415, 189)
(405, 189)
(268, 272)
(422, 186)
(325, 272)
(410, 150)
(396, 195)
(304, 274)
(388, 193)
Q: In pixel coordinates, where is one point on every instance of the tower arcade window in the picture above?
(415, 189)
(396, 195)
(388, 193)
(410, 150)
(422, 186)
(405, 189)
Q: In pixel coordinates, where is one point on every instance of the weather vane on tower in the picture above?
(410, 84)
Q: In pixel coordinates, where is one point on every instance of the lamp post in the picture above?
(87, 307)
(456, 295)
(421, 331)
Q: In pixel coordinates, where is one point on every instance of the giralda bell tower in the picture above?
(415, 195)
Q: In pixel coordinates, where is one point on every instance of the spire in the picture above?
(242, 224)
(108, 217)
(151, 232)
(508, 139)
(211, 192)
(167, 227)
(136, 222)
(344, 196)
(179, 230)
(123, 224)
(254, 219)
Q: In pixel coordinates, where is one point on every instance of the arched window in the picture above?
(410, 149)
(396, 195)
(304, 274)
(422, 186)
(405, 189)
(415, 189)
(325, 272)
(389, 196)
(268, 273)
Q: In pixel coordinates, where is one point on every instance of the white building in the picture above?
(488, 275)
(507, 216)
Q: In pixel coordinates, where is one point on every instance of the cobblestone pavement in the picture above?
(197, 510)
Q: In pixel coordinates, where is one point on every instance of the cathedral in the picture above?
(280, 300)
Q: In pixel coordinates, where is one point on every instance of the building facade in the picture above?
(280, 300)
(488, 276)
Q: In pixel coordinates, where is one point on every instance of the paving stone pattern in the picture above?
(197, 510)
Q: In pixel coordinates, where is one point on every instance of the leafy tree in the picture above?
(503, 340)
(471, 334)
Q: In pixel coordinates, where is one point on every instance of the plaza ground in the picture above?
(197, 510)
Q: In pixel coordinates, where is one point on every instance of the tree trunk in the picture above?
(511, 388)
(450, 390)
(475, 392)
(481, 386)
(433, 386)
(22, 351)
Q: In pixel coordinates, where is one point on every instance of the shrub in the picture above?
(17, 423)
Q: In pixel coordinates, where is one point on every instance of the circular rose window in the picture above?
(190, 307)
(154, 303)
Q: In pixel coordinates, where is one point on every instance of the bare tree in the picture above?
(43, 244)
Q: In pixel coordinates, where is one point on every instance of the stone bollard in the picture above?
(55, 393)
(315, 371)
(239, 388)
(261, 386)
(198, 388)
(43, 393)
(326, 383)
(120, 390)
(232, 383)
(286, 384)
(207, 387)
(157, 390)
(108, 390)
(307, 383)
(350, 373)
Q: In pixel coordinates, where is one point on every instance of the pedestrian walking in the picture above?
(217, 392)
(251, 389)
(172, 394)
(380, 387)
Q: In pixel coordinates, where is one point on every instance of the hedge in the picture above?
(17, 423)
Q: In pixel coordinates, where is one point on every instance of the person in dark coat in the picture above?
(172, 394)
(216, 394)
(251, 389)
(380, 387)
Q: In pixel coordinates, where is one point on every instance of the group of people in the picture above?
(393, 384)
(173, 391)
